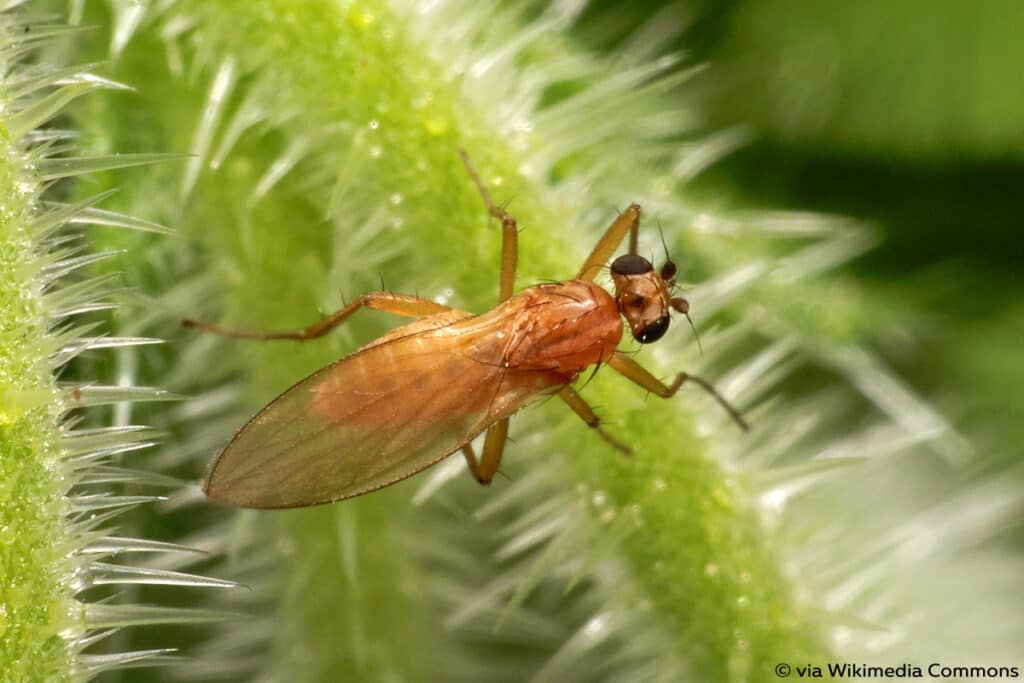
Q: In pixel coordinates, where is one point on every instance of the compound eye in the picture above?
(654, 331)
(668, 271)
(631, 264)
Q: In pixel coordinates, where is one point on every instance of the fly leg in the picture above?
(587, 414)
(627, 221)
(494, 443)
(484, 469)
(509, 233)
(399, 304)
(634, 372)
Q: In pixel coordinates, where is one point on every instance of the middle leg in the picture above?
(484, 469)
(587, 414)
(494, 443)
(509, 233)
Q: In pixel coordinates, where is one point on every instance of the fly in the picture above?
(425, 390)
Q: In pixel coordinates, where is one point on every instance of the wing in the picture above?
(380, 415)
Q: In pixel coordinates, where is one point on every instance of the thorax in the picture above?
(562, 327)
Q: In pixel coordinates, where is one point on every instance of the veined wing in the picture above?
(391, 409)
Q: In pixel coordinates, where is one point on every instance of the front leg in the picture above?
(634, 372)
(627, 221)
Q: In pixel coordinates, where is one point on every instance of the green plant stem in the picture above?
(34, 569)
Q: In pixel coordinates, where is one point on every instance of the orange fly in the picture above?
(423, 391)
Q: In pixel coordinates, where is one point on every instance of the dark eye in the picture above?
(668, 271)
(654, 331)
(631, 264)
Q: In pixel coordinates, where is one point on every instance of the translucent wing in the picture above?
(380, 415)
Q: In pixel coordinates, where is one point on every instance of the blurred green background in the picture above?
(908, 116)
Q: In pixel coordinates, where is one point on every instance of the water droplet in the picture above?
(374, 125)
(361, 18)
(375, 152)
(775, 500)
(599, 499)
(659, 485)
(742, 601)
(523, 126)
(435, 125)
(703, 222)
(397, 198)
(663, 186)
(595, 626)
